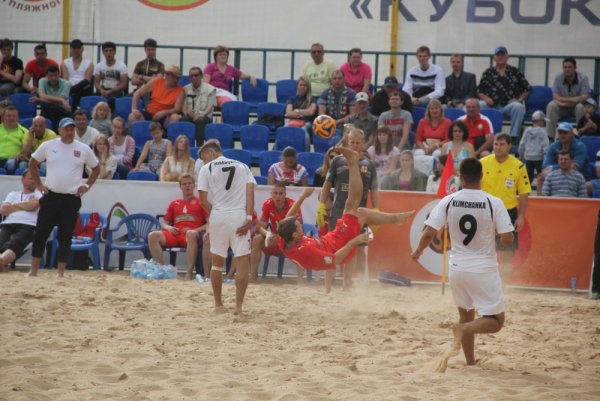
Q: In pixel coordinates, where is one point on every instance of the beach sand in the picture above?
(107, 336)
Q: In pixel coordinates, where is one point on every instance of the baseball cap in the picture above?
(362, 97)
(564, 126)
(173, 69)
(390, 81)
(538, 115)
(65, 122)
(500, 49)
(591, 101)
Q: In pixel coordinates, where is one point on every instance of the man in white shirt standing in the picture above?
(65, 160)
(424, 81)
(231, 187)
(474, 217)
(20, 210)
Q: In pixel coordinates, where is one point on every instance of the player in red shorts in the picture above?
(337, 246)
(274, 209)
(184, 219)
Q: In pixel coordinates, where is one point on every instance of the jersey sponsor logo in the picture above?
(173, 5)
(328, 260)
(77, 153)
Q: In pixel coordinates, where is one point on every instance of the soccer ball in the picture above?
(324, 126)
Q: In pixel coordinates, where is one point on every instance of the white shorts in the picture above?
(222, 233)
(479, 291)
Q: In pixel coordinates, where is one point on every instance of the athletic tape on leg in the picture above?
(217, 268)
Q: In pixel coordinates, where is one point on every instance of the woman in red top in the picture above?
(432, 130)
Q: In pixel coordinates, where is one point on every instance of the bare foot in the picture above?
(252, 279)
(402, 217)
(238, 310)
(31, 274)
(350, 155)
(60, 275)
(457, 331)
(188, 276)
(220, 309)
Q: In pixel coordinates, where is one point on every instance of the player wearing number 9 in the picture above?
(473, 217)
(230, 184)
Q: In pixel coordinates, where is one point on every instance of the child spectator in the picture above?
(101, 119)
(589, 124)
(433, 181)
(534, 144)
(108, 161)
(155, 150)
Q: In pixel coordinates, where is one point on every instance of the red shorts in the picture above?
(346, 228)
(174, 241)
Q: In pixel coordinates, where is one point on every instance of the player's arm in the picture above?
(424, 242)
(350, 245)
(206, 205)
(295, 209)
(523, 202)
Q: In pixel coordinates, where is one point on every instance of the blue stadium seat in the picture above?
(266, 159)
(3, 171)
(592, 143)
(236, 114)
(140, 132)
(255, 95)
(311, 161)
(290, 136)
(142, 175)
(88, 103)
(285, 89)
(417, 114)
(222, 132)
(21, 102)
(123, 107)
(194, 152)
(255, 139)
(241, 155)
(27, 122)
(184, 80)
(276, 111)
(538, 99)
(182, 128)
(261, 180)
(495, 117)
(322, 145)
(451, 113)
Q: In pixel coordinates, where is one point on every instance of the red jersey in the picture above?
(36, 71)
(184, 214)
(319, 254)
(479, 127)
(271, 215)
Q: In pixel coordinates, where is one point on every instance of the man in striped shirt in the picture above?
(565, 182)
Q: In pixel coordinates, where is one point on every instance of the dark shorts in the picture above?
(513, 214)
(15, 237)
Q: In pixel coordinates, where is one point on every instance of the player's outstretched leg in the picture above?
(375, 217)
(355, 184)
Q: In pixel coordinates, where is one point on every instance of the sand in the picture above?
(107, 336)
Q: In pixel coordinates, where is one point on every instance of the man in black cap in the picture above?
(79, 72)
(380, 100)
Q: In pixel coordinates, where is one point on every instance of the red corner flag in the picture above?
(448, 181)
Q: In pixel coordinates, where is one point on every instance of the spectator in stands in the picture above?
(589, 124)
(381, 100)
(434, 180)
(102, 119)
(38, 134)
(504, 87)
(166, 98)
(594, 184)
(53, 96)
(337, 101)
(179, 162)
(407, 177)
(288, 171)
(148, 68)
(383, 153)
(570, 90)
(566, 141)
(37, 68)
(321, 172)
(425, 81)
(20, 210)
(357, 75)
(111, 78)
(432, 130)
(199, 100)
(12, 136)
(458, 146)
(274, 209)
(398, 120)
(122, 146)
(564, 182)
(79, 72)
(155, 150)
(108, 161)
(534, 144)
(480, 128)
(301, 108)
(363, 119)
(184, 223)
(83, 132)
(220, 75)
(319, 70)
(460, 85)
(11, 69)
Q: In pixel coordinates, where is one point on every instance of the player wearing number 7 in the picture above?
(473, 218)
(230, 184)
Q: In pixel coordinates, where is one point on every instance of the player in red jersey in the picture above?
(337, 246)
(184, 219)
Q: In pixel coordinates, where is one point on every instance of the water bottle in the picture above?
(170, 271)
(138, 268)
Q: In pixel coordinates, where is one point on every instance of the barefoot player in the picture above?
(339, 245)
(473, 218)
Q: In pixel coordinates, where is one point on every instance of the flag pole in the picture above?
(445, 253)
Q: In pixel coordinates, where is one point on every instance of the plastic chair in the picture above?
(182, 128)
(21, 102)
(322, 145)
(236, 114)
(592, 143)
(538, 99)
(417, 114)
(241, 155)
(495, 117)
(3, 171)
(285, 89)
(309, 230)
(194, 152)
(184, 80)
(28, 122)
(93, 246)
(222, 132)
(261, 180)
(274, 109)
(88, 103)
(142, 175)
(137, 227)
(453, 114)
(266, 159)
(290, 136)
(596, 194)
(311, 161)
(255, 95)
(255, 139)
(140, 132)
(123, 107)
